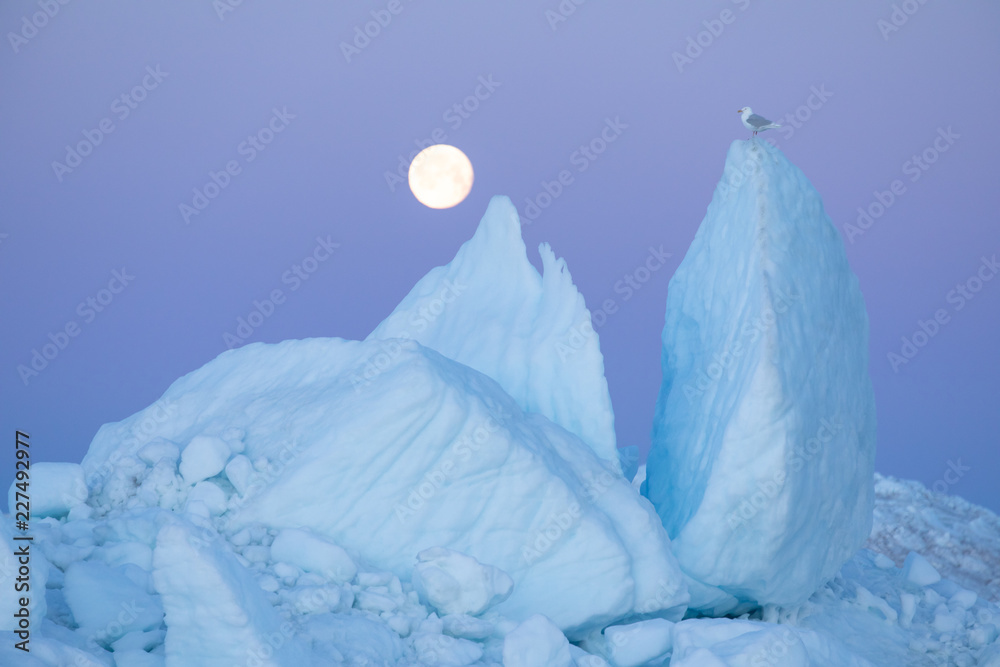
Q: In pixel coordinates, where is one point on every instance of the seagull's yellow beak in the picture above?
(739, 111)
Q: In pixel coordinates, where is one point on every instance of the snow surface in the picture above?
(764, 436)
(957, 537)
(490, 309)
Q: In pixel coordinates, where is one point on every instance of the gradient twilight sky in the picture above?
(885, 96)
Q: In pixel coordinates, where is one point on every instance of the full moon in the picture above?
(440, 176)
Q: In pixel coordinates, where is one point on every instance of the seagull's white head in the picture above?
(745, 111)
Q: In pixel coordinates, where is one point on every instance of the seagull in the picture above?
(752, 121)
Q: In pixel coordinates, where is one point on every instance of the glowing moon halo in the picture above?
(440, 176)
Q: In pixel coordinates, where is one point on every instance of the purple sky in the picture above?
(885, 96)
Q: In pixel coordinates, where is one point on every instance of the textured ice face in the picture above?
(426, 453)
(764, 438)
(490, 309)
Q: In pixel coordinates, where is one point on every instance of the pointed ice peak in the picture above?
(500, 224)
(490, 309)
(764, 438)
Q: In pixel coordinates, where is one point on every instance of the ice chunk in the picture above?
(638, 643)
(313, 554)
(239, 472)
(491, 310)
(205, 456)
(536, 642)
(55, 489)
(352, 640)
(917, 570)
(703, 642)
(444, 651)
(454, 583)
(961, 540)
(210, 495)
(107, 604)
(134, 658)
(430, 454)
(466, 627)
(216, 614)
(764, 438)
(153, 452)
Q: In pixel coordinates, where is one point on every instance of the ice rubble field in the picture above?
(448, 492)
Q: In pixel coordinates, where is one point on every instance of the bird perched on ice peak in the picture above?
(756, 123)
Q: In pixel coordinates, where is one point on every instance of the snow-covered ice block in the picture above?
(239, 471)
(431, 453)
(210, 495)
(135, 658)
(454, 583)
(55, 489)
(466, 627)
(107, 604)
(445, 651)
(583, 659)
(734, 643)
(917, 570)
(352, 640)
(205, 456)
(313, 554)
(153, 452)
(216, 614)
(536, 642)
(638, 643)
(763, 448)
(490, 309)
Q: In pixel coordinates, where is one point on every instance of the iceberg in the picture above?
(430, 454)
(491, 310)
(763, 451)
(270, 509)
